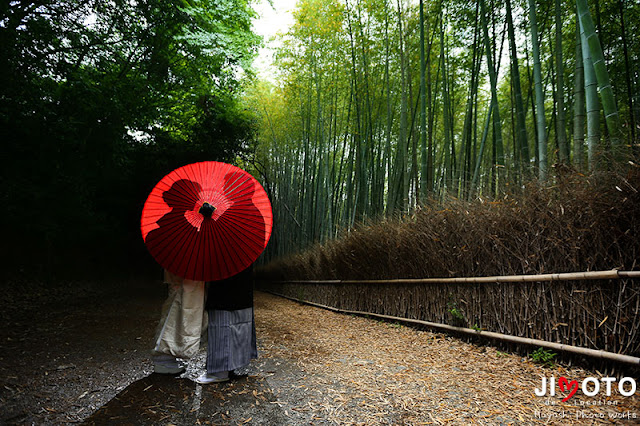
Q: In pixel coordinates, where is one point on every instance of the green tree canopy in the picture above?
(99, 99)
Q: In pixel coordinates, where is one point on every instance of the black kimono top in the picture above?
(232, 293)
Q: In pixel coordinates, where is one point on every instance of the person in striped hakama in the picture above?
(231, 329)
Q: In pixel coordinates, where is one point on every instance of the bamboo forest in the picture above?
(380, 106)
(320, 212)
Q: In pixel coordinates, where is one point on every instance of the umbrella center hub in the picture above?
(207, 210)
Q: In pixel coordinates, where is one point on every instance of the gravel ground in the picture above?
(85, 360)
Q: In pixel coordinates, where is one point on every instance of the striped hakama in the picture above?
(232, 340)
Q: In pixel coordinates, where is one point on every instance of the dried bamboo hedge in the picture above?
(594, 314)
(581, 223)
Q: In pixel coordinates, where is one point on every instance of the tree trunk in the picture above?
(537, 77)
(611, 115)
(446, 115)
(592, 104)
(497, 125)
(521, 130)
(579, 111)
(422, 193)
(628, 73)
(563, 148)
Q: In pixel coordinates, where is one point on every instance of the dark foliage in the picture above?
(98, 101)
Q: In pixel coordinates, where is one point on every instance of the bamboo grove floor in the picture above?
(315, 367)
(354, 370)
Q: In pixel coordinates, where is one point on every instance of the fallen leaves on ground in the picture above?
(363, 371)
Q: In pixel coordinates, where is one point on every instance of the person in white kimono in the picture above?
(181, 323)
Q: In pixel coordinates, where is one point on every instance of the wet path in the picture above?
(315, 367)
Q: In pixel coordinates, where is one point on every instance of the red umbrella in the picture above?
(206, 221)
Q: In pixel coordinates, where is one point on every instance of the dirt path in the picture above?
(88, 363)
(64, 354)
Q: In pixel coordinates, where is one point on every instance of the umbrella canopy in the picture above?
(206, 221)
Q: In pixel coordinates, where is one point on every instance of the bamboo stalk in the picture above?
(568, 276)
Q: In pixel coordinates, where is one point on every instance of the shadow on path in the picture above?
(162, 399)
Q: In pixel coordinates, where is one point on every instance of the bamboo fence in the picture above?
(597, 313)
